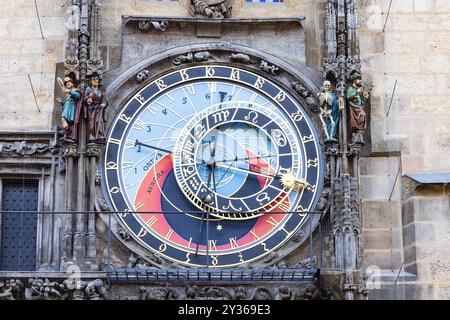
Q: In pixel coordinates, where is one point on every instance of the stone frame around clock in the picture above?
(125, 86)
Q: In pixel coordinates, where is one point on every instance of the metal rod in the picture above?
(321, 243)
(395, 182)
(310, 240)
(151, 212)
(109, 242)
(207, 241)
(392, 98)
(399, 270)
(34, 93)
(387, 16)
(39, 18)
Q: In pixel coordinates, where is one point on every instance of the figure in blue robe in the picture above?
(71, 106)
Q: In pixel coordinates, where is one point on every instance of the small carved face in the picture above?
(327, 85)
(94, 81)
(68, 82)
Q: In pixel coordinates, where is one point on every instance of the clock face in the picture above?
(212, 166)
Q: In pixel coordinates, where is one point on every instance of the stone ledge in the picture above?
(51, 275)
(126, 19)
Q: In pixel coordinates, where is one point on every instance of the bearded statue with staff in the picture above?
(95, 104)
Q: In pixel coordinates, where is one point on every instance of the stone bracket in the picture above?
(210, 28)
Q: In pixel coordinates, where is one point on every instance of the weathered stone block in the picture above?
(402, 22)
(424, 5)
(442, 6)
(380, 214)
(376, 239)
(410, 257)
(404, 6)
(436, 252)
(444, 291)
(419, 233)
(436, 63)
(401, 63)
(419, 291)
(384, 259)
(378, 187)
(404, 42)
(426, 209)
(379, 166)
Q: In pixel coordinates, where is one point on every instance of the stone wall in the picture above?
(414, 50)
(24, 52)
(410, 47)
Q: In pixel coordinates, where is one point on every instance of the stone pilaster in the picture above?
(70, 153)
(93, 152)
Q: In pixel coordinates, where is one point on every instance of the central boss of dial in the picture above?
(217, 174)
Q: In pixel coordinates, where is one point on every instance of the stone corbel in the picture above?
(146, 25)
(306, 94)
(191, 57)
(143, 76)
(269, 68)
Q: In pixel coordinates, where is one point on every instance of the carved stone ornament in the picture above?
(94, 66)
(45, 289)
(142, 76)
(262, 293)
(10, 289)
(71, 62)
(157, 293)
(98, 177)
(354, 149)
(217, 9)
(123, 234)
(285, 293)
(190, 57)
(93, 150)
(308, 263)
(303, 92)
(145, 25)
(331, 148)
(269, 68)
(70, 150)
(40, 289)
(23, 148)
(241, 58)
(195, 292)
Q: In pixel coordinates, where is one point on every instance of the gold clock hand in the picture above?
(295, 183)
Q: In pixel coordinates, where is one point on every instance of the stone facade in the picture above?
(405, 53)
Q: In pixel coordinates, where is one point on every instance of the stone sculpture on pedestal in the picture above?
(95, 104)
(357, 97)
(71, 106)
(329, 111)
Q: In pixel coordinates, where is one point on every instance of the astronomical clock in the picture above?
(212, 165)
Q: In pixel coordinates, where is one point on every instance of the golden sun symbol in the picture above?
(289, 181)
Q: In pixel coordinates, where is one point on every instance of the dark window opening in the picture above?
(18, 235)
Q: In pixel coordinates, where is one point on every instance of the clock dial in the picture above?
(212, 165)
